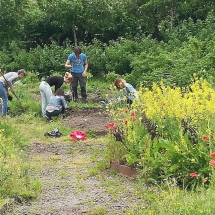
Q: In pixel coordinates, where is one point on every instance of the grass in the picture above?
(29, 128)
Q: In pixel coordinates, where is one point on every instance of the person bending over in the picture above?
(57, 105)
(46, 90)
(127, 90)
(6, 82)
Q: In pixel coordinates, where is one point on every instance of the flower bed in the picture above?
(167, 133)
(123, 169)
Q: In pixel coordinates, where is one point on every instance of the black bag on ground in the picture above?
(53, 133)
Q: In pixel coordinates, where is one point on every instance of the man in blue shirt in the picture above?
(77, 62)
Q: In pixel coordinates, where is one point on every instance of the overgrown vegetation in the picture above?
(14, 180)
(167, 133)
(146, 43)
(179, 51)
(169, 189)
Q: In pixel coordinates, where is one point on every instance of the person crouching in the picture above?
(57, 105)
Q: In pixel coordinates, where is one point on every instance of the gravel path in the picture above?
(75, 181)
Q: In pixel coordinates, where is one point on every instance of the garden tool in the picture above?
(12, 92)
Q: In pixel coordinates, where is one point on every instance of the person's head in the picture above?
(77, 51)
(59, 92)
(68, 78)
(21, 73)
(119, 83)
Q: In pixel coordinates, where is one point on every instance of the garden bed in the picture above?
(123, 169)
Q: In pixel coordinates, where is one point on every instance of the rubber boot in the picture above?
(84, 94)
(75, 94)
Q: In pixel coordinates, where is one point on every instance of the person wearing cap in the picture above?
(77, 62)
(7, 81)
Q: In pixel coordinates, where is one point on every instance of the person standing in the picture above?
(46, 91)
(7, 81)
(77, 62)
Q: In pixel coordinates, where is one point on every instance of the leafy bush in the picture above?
(120, 54)
(96, 57)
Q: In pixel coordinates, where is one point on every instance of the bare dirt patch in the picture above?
(88, 119)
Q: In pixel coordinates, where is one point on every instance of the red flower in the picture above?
(132, 114)
(78, 135)
(212, 163)
(193, 175)
(134, 119)
(212, 154)
(126, 122)
(114, 128)
(111, 126)
(205, 138)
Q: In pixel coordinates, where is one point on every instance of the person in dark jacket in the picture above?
(6, 82)
(46, 90)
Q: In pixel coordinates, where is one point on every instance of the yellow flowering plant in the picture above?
(167, 132)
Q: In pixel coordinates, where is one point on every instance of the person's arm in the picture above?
(68, 64)
(85, 68)
(64, 104)
(10, 79)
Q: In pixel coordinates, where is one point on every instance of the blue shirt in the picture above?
(77, 62)
(129, 91)
(56, 103)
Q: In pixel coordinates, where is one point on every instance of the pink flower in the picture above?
(205, 138)
(212, 154)
(212, 163)
(193, 175)
(78, 135)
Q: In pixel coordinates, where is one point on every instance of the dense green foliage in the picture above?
(144, 41)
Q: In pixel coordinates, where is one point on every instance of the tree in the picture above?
(11, 20)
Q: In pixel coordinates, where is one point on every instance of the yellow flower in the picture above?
(193, 160)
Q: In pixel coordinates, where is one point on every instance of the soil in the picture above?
(88, 120)
(75, 175)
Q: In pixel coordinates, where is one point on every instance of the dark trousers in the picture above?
(78, 78)
(55, 113)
